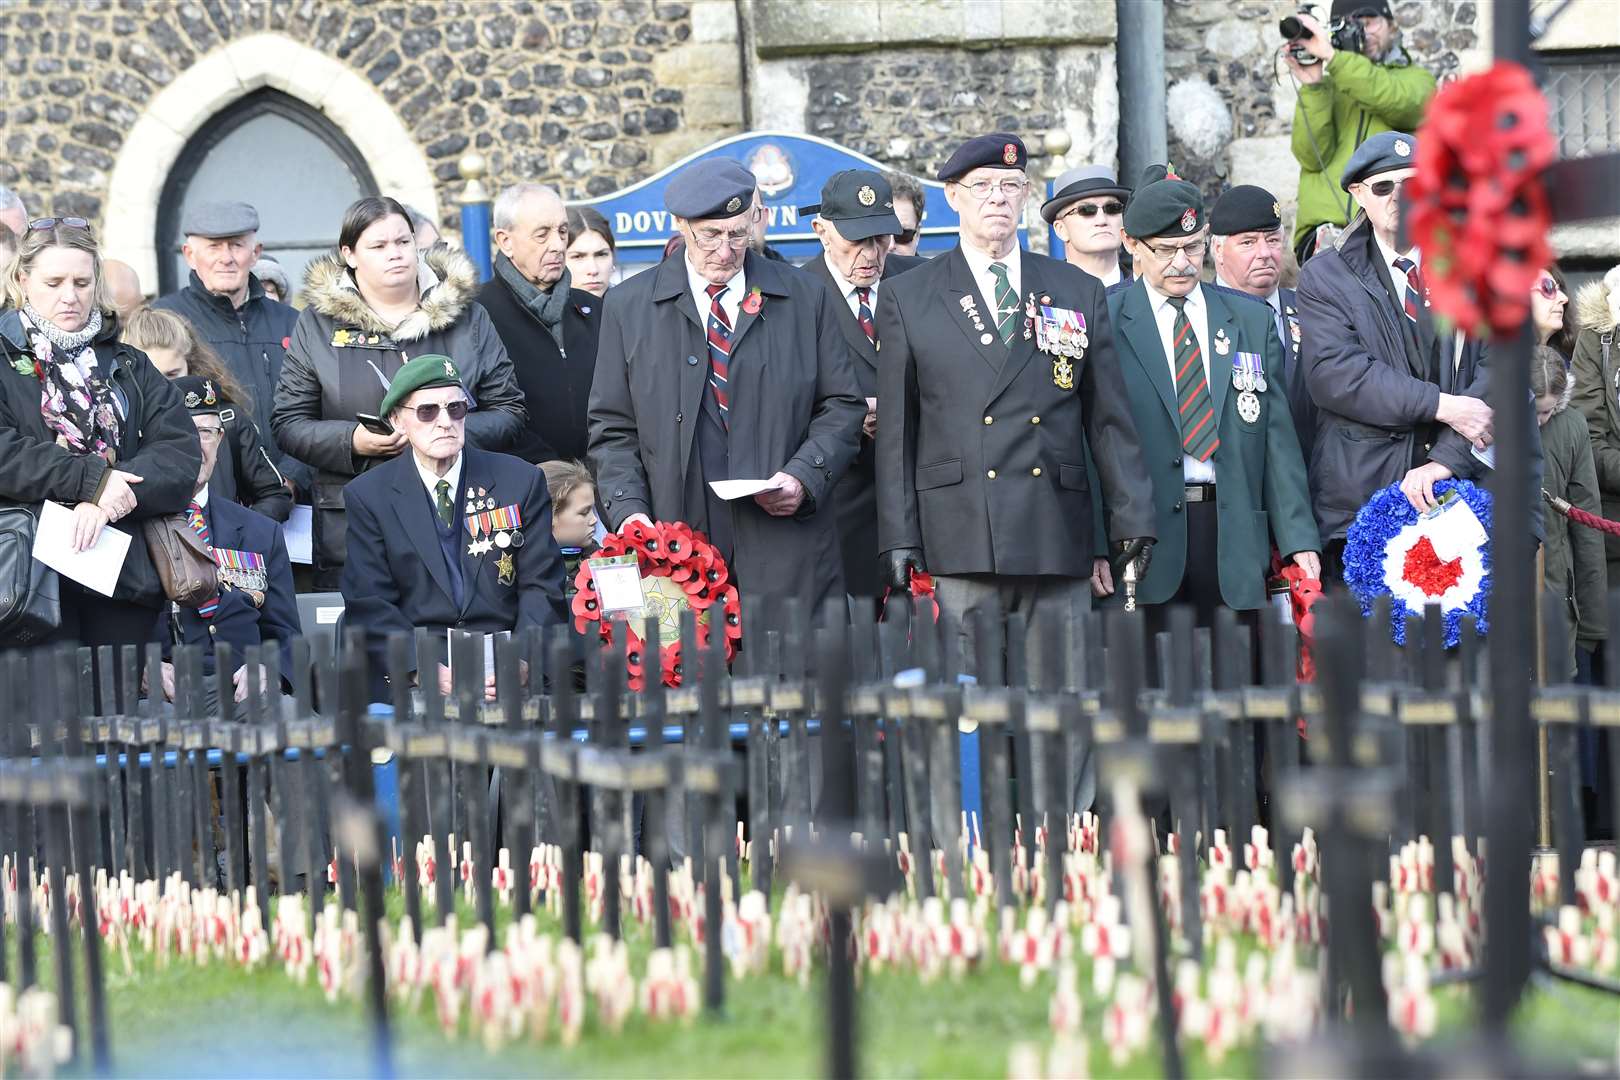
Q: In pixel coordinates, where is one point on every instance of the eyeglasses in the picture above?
(1194, 250)
(1383, 188)
(1087, 210)
(981, 189)
(711, 239)
(1548, 288)
(427, 414)
(210, 434)
(40, 224)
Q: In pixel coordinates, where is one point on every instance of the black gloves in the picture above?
(898, 565)
(1139, 549)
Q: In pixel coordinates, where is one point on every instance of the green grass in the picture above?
(188, 1020)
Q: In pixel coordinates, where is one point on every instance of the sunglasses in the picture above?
(427, 414)
(1087, 210)
(39, 224)
(1383, 188)
(1548, 288)
(905, 236)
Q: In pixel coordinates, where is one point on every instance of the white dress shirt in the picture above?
(431, 481)
(979, 263)
(201, 497)
(847, 291)
(1114, 275)
(1389, 255)
(1192, 470)
(730, 300)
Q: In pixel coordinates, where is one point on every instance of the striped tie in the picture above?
(199, 525)
(863, 297)
(1415, 293)
(1197, 408)
(719, 354)
(1006, 302)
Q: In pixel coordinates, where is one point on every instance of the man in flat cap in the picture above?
(997, 373)
(1203, 373)
(1086, 209)
(719, 364)
(446, 536)
(1396, 400)
(227, 305)
(1248, 247)
(856, 224)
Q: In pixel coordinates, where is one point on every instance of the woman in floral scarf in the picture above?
(88, 422)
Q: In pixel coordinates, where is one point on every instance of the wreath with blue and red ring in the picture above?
(684, 557)
(1384, 555)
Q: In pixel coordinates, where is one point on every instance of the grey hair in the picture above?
(10, 200)
(507, 202)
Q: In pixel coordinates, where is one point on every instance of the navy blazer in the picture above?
(395, 578)
(239, 620)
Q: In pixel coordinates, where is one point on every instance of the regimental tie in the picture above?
(441, 502)
(719, 354)
(1006, 303)
(199, 525)
(863, 297)
(1414, 287)
(1197, 408)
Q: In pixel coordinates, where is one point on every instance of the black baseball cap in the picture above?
(859, 203)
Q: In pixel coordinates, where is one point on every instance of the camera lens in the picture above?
(1292, 29)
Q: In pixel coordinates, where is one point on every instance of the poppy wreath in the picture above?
(1478, 207)
(684, 556)
(1386, 554)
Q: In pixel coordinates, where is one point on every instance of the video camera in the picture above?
(1345, 35)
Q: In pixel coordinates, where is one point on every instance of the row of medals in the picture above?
(503, 538)
(1248, 381)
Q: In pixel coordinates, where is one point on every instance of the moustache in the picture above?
(1181, 273)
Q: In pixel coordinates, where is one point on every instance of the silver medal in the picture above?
(503, 539)
(1248, 406)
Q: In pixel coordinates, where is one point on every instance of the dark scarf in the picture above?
(547, 307)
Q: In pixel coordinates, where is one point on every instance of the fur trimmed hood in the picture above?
(1597, 303)
(330, 290)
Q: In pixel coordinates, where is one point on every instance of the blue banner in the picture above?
(790, 169)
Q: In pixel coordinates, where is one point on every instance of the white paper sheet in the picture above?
(299, 532)
(740, 489)
(97, 568)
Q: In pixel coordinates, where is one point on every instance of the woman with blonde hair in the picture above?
(87, 421)
(244, 472)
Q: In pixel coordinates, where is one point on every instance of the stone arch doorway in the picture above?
(240, 154)
(341, 96)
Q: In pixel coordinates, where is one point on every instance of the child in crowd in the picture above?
(573, 513)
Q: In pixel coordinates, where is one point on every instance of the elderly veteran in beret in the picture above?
(1248, 247)
(1203, 371)
(1397, 400)
(446, 536)
(997, 375)
(716, 365)
(1086, 208)
(256, 604)
(856, 225)
(226, 302)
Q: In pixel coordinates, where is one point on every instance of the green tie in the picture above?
(1192, 387)
(447, 509)
(1006, 302)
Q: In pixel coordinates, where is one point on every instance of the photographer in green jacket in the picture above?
(1356, 79)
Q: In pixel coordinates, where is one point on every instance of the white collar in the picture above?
(431, 481)
(201, 497)
(1158, 301)
(1390, 254)
(979, 262)
(699, 285)
(846, 286)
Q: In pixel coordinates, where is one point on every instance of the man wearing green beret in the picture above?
(446, 536)
(1203, 372)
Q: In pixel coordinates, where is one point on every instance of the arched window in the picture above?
(271, 150)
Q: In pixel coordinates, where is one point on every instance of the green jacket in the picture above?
(1575, 566)
(1260, 475)
(1357, 98)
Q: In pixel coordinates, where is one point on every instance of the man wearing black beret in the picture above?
(1203, 371)
(1397, 400)
(996, 376)
(857, 225)
(721, 365)
(1247, 245)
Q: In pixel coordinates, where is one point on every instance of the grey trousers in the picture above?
(963, 598)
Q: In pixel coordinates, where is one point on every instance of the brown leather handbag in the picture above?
(183, 562)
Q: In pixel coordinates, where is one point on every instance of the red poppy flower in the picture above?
(754, 302)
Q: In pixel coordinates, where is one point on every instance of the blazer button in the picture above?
(819, 460)
(1175, 462)
(991, 474)
(1035, 471)
(1034, 419)
(1177, 506)
(619, 493)
(692, 360)
(989, 420)
(679, 417)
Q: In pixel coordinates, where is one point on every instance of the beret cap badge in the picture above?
(734, 205)
(1403, 148)
(1009, 154)
(866, 195)
(1189, 220)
